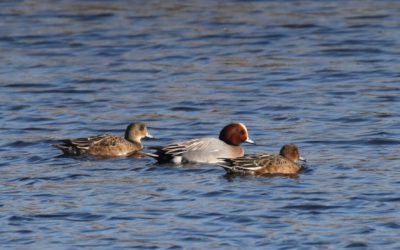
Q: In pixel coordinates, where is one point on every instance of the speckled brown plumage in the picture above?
(258, 164)
(107, 145)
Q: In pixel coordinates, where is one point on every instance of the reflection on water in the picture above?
(322, 75)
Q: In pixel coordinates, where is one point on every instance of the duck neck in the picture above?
(136, 140)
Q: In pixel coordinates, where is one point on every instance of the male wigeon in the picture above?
(284, 163)
(206, 150)
(107, 145)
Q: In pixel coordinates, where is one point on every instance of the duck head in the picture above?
(235, 134)
(136, 131)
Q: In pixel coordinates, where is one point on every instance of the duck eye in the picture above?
(141, 127)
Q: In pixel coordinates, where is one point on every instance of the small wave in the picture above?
(310, 207)
(73, 216)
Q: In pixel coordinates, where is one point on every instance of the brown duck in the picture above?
(258, 164)
(107, 145)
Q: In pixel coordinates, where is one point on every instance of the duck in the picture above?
(206, 150)
(287, 162)
(107, 145)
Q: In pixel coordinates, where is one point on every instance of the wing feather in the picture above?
(179, 148)
(252, 163)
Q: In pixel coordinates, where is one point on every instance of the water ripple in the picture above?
(319, 74)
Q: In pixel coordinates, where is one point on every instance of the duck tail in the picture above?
(160, 155)
(226, 164)
(67, 149)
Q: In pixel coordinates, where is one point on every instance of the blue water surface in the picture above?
(322, 74)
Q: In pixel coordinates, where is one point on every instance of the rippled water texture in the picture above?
(324, 75)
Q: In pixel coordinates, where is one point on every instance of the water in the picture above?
(324, 75)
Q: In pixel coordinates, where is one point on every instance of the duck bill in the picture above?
(149, 136)
(302, 159)
(249, 141)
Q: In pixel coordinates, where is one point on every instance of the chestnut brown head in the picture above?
(235, 134)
